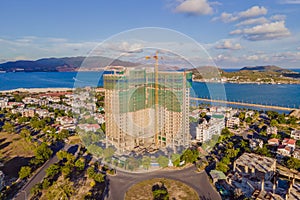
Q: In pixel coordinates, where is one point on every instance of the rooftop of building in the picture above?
(261, 163)
(289, 141)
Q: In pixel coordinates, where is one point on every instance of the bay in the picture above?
(287, 95)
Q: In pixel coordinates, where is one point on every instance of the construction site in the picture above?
(147, 109)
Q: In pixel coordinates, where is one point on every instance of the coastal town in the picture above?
(49, 148)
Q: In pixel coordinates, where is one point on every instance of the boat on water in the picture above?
(2, 72)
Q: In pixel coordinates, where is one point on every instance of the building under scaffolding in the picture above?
(133, 118)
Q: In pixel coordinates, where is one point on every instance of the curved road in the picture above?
(119, 184)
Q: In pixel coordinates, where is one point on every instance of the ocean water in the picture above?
(281, 95)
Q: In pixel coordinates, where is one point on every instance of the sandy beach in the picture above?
(37, 90)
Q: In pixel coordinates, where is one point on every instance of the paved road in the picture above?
(37, 178)
(119, 184)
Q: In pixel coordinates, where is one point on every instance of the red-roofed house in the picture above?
(273, 142)
(284, 150)
(89, 127)
(289, 142)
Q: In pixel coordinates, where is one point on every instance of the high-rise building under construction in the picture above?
(147, 110)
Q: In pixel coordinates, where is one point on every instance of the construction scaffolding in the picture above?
(147, 108)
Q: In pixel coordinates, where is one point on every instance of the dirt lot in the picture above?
(15, 152)
(176, 190)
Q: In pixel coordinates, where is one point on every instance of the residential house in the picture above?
(205, 130)
(89, 127)
(295, 134)
(255, 143)
(273, 142)
(272, 130)
(29, 112)
(30, 100)
(284, 150)
(233, 122)
(289, 142)
(3, 102)
(296, 153)
(42, 112)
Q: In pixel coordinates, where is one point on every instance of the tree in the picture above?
(190, 156)
(132, 163)
(263, 151)
(222, 167)
(42, 153)
(8, 127)
(175, 159)
(163, 161)
(248, 120)
(52, 170)
(108, 153)
(293, 163)
(60, 190)
(242, 116)
(243, 144)
(95, 149)
(160, 192)
(80, 164)
(63, 134)
(23, 119)
(274, 122)
(36, 189)
(146, 162)
(24, 172)
(25, 133)
(66, 170)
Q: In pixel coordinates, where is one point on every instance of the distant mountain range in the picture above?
(62, 64)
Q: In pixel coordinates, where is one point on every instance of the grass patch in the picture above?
(176, 190)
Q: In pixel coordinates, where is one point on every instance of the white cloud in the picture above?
(278, 17)
(194, 7)
(289, 1)
(260, 20)
(124, 46)
(227, 44)
(254, 11)
(267, 31)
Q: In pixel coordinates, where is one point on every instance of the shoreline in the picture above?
(244, 83)
(36, 90)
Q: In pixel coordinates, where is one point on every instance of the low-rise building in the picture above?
(272, 130)
(233, 122)
(29, 112)
(205, 130)
(284, 150)
(254, 164)
(273, 142)
(89, 127)
(295, 134)
(255, 143)
(296, 153)
(289, 142)
(42, 112)
(3, 102)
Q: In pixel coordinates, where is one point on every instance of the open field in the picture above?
(176, 190)
(15, 153)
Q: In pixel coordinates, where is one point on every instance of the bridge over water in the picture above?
(243, 104)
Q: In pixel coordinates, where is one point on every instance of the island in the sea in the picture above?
(268, 74)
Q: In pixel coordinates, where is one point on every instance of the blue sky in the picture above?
(235, 33)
